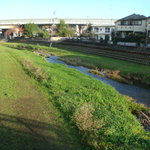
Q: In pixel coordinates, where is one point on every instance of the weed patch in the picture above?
(33, 70)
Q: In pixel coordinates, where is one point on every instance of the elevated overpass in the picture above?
(73, 21)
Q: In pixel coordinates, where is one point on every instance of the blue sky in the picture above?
(17, 9)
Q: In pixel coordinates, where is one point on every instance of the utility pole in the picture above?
(53, 24)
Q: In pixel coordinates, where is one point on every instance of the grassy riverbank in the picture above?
(139, 74)
(136, 73)
(104, 118)
(28, 119)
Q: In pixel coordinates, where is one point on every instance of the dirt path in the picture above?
(27, 120)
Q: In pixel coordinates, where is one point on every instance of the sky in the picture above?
(107, 9)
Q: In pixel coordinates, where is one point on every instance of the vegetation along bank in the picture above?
(103, 118)
(119, 70)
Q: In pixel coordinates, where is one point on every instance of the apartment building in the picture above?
(134, 23)
(103, 32)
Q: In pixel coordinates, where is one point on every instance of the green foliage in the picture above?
(31, 30)
(89, 30)
(43, 34)
(103, 117)
(28, 119)
(64, 30)
(132, 37)
(127, 69)
(102, 41)
(88, 33)
(34, 71)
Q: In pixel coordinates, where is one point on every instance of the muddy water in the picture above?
(141, 95)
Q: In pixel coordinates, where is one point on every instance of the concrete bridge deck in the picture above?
(71, 21)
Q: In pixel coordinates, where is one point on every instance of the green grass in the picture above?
(102, 116)
(127, 69)
(28, 119)
(132, 71)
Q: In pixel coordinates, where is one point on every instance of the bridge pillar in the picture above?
(77, 30)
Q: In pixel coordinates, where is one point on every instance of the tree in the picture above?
(43, 34)
(88, 32)
(89, 28)
(64, 30)
(31, 29)
(130, 37)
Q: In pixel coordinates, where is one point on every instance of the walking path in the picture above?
(28, 121)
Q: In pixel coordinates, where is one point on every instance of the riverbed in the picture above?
(141, 95)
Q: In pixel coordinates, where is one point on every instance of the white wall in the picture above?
(126, 43)
(101, 32)
(132, 28)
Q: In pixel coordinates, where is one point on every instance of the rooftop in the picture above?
(133, 17)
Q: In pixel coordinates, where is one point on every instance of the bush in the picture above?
(43, 34)
(31, 30)
(136, 38)
(34, 71)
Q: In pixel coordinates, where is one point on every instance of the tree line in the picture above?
(62, 30)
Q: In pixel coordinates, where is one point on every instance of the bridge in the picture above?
(72, 21)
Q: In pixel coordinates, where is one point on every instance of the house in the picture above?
(148, 26)
(103, 31)
(14, 32)
(132, 24)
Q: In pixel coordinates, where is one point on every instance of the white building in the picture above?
(148, 26)
(134, 23)
(103, 31)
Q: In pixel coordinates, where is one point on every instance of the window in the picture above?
(131, 23)
(137, 22)
(96, 29)
(107, 30)
(122, 22)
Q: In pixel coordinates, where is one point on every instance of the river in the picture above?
(141, 95)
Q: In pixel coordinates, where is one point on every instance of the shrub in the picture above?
(34, 71)
(43, 34)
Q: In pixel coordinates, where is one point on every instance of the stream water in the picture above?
(141, 95)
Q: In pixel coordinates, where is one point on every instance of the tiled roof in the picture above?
(134, 17)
